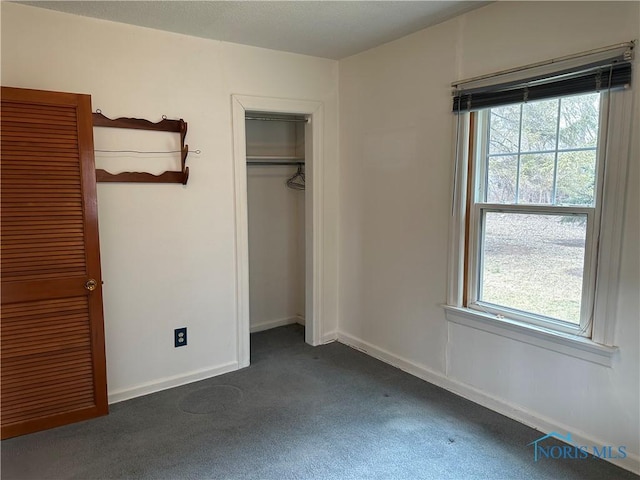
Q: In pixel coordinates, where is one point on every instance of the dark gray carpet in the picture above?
(298, 412)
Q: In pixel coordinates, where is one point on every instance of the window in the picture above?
(539, 184)
(534, 209)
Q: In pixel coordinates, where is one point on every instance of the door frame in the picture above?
(313, 212)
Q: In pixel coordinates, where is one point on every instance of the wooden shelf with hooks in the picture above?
(165, 125)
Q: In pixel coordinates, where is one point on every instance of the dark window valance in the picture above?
(577, 81)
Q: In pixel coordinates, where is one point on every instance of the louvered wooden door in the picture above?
(52, 335)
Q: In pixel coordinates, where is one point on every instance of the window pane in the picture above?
(504, 129)
(502, 175)
(576, 181)
(536, 178)
(539, 123)
(534, 263)
(579, 117)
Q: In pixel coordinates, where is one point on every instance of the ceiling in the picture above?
(330, 29)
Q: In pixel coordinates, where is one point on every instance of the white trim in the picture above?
(458, 202)
(314, 220)
(525, 318)
(280, 322)
(314, 170)
(614, 190)
(242, 233)
(415, 369)
(527, 417)
(572, 345)
(329, 337)
(170, 382)
(532, 208)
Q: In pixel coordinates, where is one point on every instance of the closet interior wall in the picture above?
(276, 218)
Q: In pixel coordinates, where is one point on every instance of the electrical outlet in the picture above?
(180, 337)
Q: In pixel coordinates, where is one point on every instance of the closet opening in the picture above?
(277, 149)
(276, 187)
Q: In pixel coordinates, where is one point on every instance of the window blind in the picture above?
(541, 83)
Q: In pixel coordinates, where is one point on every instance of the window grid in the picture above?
(554, 186)
(519, 158)
(533, 152)
(518, 154)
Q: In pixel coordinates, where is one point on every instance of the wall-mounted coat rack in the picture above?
(165, 125)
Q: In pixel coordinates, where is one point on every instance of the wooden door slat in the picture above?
(18, 125)
(46, 378)
(46, 269)
(50, 401)
(64, 404)
(42, 158)
(38, 256)
(41, 276)
(33, 366)
(15, 167)
(37, 135)
(39, 248)
(36, 325)
(42, 386)
(10, 114)
(51, 374)
(17, 312)
(11, 111)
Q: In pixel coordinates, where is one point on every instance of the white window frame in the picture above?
(602, 266)
(479, 208)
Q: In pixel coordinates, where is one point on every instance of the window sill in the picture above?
(567, 344)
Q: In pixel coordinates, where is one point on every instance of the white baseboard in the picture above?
(170, 382)
(259, 327)
(329, 337)
(529, 418)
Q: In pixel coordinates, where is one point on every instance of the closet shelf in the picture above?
(266, 158)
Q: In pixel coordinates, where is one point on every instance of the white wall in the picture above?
(168, 253)
(396, 162)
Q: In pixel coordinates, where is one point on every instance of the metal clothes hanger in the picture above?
(297, 182)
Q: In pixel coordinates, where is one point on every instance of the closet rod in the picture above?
(271, 119)
(275, 163)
